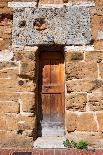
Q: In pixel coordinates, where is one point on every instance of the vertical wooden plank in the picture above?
(45, 72)
(57, 109)
(46, 107)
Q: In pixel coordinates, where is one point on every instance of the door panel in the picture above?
(51, 88)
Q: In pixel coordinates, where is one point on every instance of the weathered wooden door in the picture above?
(51, 87)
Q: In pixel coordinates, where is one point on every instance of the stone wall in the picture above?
(83, 81)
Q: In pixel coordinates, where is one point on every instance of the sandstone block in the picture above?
(71, 120)
(86, 122)
(101, 69)
(9, 107)
(17, 85)
(94, 55)
(9, 96)
(81, 70)
(25, 55)
(76, 101)
(17, 122)
(100, 121)
(97, 25)
(99, 2)
(95, 101)
(98, 45)
(9, 73)
(28, 68)
(5, 43)
(84, 85)
(28, 102)
(12, 139)
(73, 56)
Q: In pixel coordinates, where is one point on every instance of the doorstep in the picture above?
(49, 142)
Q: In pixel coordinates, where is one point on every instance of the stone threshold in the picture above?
(49, 142)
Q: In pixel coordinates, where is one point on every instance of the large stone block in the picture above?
(94, 55)
(76, 102)
(86, 122)
(71, 120)
(68, 25)
(81, 70)
(100, 121)
(95, 101)
(84, 85)
(28, 102)
(17, 122)
(101, 69)
(9, 107)
(73, 56)
(14, 140)
(98, 45)
(18, 85)
(9, 96)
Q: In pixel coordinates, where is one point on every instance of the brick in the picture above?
(71, 120)
(73, 56)
(28, 102)
(76, 102)
(86, 122)
(94, 55)
(9, 107)
(100, 121)
(84, 86)
(95, 101)
(81, 70)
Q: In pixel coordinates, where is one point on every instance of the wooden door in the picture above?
(51, 87)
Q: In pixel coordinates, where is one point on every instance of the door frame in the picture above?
(48, 49)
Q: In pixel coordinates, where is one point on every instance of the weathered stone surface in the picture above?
(100, 121)
(86, 122)
(81, 70)
(18, 85)
(98, 45)
(16, 122)
(9, 107)
(25, 55)
(101, 69)
(97, 25)
(9, 96)
(8, 139)
(28, 68)
(33, 26)
(94, 55)
(95, 101)
(28, 102)
(76, 101)
(73, 56)
(71, 119)
(84, 85)
(94, 139)
(9, 73)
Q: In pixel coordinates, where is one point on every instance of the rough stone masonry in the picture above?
(83, 51)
